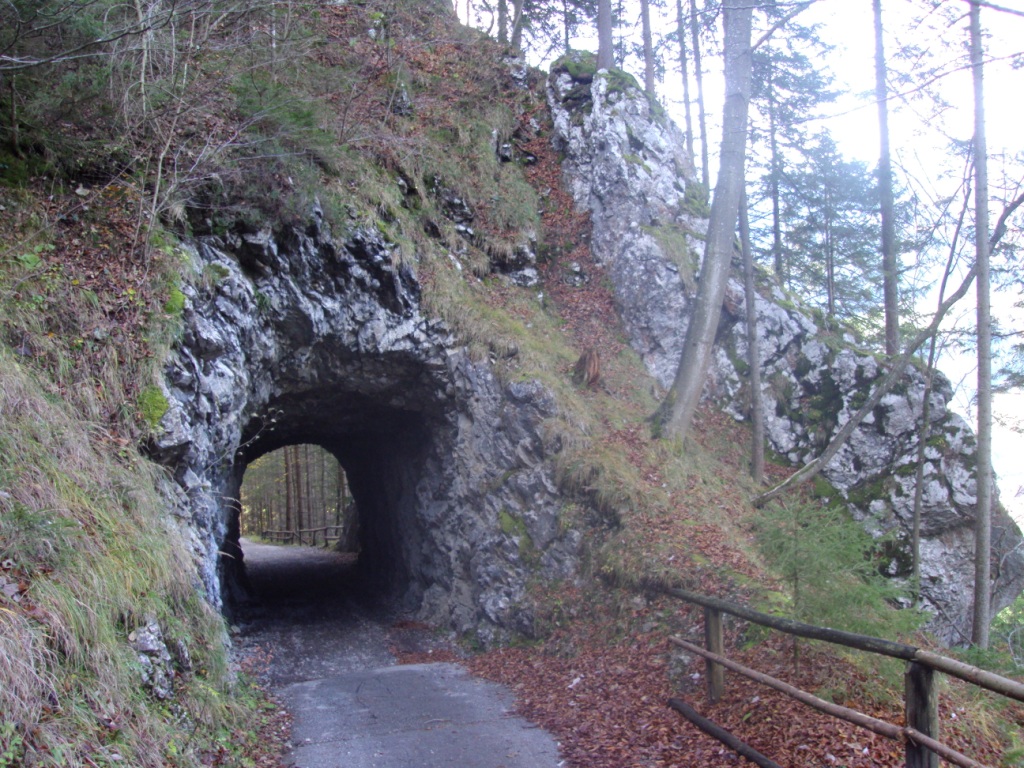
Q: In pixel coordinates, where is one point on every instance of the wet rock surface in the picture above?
(329, 646)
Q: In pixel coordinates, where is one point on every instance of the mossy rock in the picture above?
(823, 489)
(152, 406)
(175, 303)
(672, 239)
(620, 81)
(878, 489)
(696, 200)
(578, 97)
(515, 528)
(581, 66)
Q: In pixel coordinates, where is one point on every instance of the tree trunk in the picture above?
(698, 75)
(676, 413)
(926, 409)
(308, 475)
(619, 55)
(279, 501)
(503, 22)
(565, 25)
(753, 350)
(649, 68)
(983, 513)
(340, 496)
(322, 501)
(297, 489)
(605, 38)
(775, 178)
(684, 72)
(830, 270)
(517, 26)
(288, 501)
(890, 274)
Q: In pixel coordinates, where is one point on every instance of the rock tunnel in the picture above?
(385, 453)
(292, 338)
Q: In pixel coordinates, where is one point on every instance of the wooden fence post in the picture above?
(714, 643)
(922, 703)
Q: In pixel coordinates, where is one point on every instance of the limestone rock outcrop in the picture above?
(293, 337)
(625, 164)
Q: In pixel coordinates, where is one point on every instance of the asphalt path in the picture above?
(329, 659)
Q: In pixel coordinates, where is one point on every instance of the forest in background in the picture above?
(295, 488)
(873, 250)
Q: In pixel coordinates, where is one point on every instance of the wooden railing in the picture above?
(323, 536)
(921, 732)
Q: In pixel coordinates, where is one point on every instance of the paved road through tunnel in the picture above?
(353, 705)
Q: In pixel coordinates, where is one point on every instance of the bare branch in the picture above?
(1000, 8)
(800, 8)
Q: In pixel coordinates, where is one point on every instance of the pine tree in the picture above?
(788, 85)
(829, 214)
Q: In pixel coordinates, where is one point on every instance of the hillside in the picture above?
(353, 226)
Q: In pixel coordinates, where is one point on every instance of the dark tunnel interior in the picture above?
(384, 452)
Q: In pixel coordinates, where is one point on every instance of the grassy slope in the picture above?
(88, 301)
(88, 552)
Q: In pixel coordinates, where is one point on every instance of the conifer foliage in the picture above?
(294, 488)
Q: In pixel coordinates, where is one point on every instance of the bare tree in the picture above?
(649, 68)
(888, 205)
(685, 75)
(699, 78)
(516, 39)
(605, 38)
(676, 412)
(753, 350)
(289, 502)
(983, 512)
(925, 432)
(502, 22)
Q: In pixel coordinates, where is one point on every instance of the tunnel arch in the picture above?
(301, 339)
(385, 448)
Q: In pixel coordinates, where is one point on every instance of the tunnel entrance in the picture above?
(305, 340)
(338, 470)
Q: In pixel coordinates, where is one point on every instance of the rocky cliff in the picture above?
(293, 337)
(625, 164)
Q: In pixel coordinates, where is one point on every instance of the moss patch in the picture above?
(152, 405)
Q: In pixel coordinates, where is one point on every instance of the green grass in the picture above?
(84, 532)
(88, 537)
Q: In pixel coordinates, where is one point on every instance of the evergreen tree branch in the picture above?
(798, 9)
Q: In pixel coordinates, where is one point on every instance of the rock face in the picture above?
(290, 337)
(627, 167)
(630, 170)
